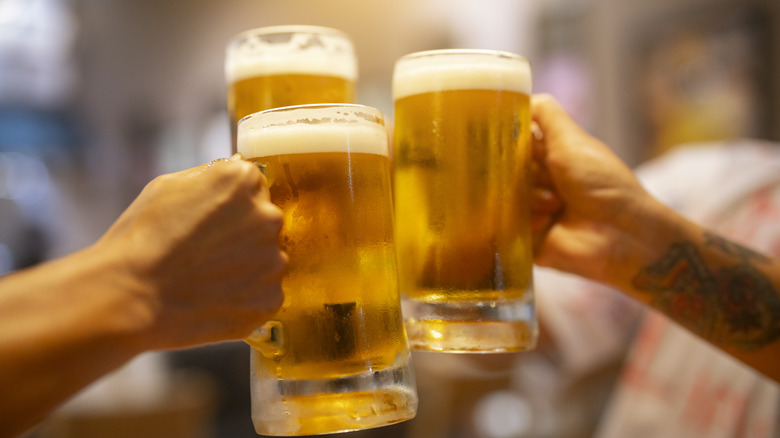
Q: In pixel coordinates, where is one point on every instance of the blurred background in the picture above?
(99, 96)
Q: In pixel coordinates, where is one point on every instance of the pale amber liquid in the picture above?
(253, 94)
(341, 311)
(461, 195)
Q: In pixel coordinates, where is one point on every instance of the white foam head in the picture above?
(441, 70)
(313, 128)
(290, 49)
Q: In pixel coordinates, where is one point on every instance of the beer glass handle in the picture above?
(260, 166)
(269, 339)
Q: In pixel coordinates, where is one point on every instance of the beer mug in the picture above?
(461, 157)
(335, 357)
(271, 67)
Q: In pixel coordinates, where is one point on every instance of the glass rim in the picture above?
(324, 127)
(485, 52)
(314, 106)
(460, 69)
(286, 49)
(288, 29)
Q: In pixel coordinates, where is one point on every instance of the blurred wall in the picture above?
(615, 28)
(152, 71)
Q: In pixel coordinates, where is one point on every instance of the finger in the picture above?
(538, 146)
(545, 201)
(272, 219)
(540, 222)
(200, 169)
(262, 182)
(540, 176)
(214, 163)
(238, 156)
(234, 173)
(540, 226)
(251, 174)
(552, 119)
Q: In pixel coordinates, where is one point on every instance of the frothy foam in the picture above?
(460, 70)
(312, 128)
(329, 53)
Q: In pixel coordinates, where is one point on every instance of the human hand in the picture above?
(201, 246)
(585, 201)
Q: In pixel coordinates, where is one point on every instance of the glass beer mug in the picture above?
(461, 157)
(271, 67)
(335, 357)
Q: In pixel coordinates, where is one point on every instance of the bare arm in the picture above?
(593, 218)
(194, 259)
(64, 324)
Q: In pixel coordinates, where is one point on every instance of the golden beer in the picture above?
(337, 350)
(461, 158)
(278, 66)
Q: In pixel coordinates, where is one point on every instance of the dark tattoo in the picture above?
(734, 306)
(733, 249)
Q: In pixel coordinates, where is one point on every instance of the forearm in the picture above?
(721, 291)
(64, 324)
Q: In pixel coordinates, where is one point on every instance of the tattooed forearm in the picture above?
(733, 305)
(734, 249)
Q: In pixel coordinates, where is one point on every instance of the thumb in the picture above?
(552, 119)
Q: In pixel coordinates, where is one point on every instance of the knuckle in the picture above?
(160, 181)
(262, 180)
(272, 216)
(543, 97)
(277, 266)
(237, 173)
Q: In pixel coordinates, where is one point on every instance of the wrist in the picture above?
(646, 235)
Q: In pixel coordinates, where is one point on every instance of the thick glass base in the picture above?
(349, 403)
(471, 327)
